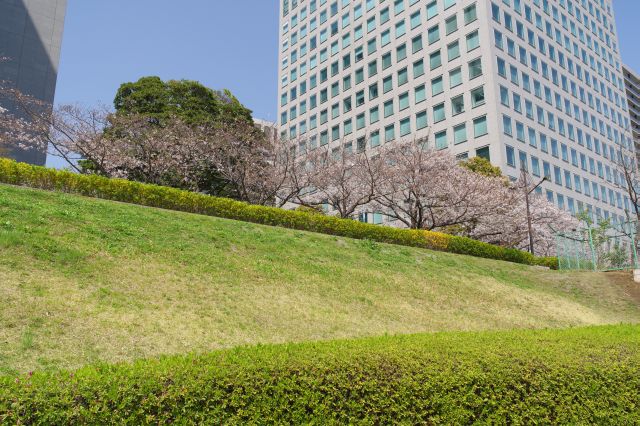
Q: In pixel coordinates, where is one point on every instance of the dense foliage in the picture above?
(15, 173)
(482, 166)
(579, 376)
(188, 100)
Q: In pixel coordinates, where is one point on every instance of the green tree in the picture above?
(164, 104)
(188, 100)
(482, 166)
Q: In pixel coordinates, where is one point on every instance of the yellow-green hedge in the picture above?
(546, 377)
(14, 173)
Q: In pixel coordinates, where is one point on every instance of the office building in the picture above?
(30, 40)
(535, 84)
(269, 128)
(632, 85)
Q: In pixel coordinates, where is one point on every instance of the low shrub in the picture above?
(579, 376)
(547, 262)
(15, 173)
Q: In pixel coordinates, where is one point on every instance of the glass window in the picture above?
(477, 97)
(433, 34)
(435, 60)
(335, 133)
(502, 68)
(385, 38)
(436, 86)
(348, 127)
(520, 131)
(389, 133)
(441, 140)
(418, 68)
(401, 29)
(475, 68)
(375, 139)
(398, 7)
(507, 125)
(324, 138)
(373, 91)
(387, 84)
(371, 46)
(457, 105)
(421, 120)
(374, 115)
(420, 94)
(460, 134)
(405, 126)
(403, 76)
(401, 52)
(438, 113)
(416, 44)
(480, 126)
(388, 108)
(373, 68)
(470, 14)
(415, 19)
(403, 101)
(432, 9)
(453, 51)
(384, 15)
(386, 60)
(473, 41)
(484, 153)
(451, 24)
(455, 77)
(511, 156)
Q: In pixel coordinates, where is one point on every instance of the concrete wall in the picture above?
(31, 37)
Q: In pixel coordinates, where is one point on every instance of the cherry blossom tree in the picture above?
(626, 166)
(343, 179)
(258, 169)
(69, 132)
(507, 225)
(427, 189)
(231, 159)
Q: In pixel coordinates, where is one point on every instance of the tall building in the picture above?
(30, 40)
(269, 128)
(632, 84)
(525, 83)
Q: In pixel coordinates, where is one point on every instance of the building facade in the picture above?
(269, 128)
(632, 84)
(30, 41)
(534, 84)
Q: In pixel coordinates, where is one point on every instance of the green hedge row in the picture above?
(15, 173)
(579, 376)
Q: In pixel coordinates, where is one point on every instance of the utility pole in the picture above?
(527, 193)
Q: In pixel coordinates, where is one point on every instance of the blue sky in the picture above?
(228, 44)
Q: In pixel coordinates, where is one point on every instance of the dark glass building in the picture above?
(30, 39)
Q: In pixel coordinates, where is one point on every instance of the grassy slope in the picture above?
(86, 280)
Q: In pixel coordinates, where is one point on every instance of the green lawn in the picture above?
(84, 281)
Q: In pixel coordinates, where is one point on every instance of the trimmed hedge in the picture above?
(579, 376)
(14, 173)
